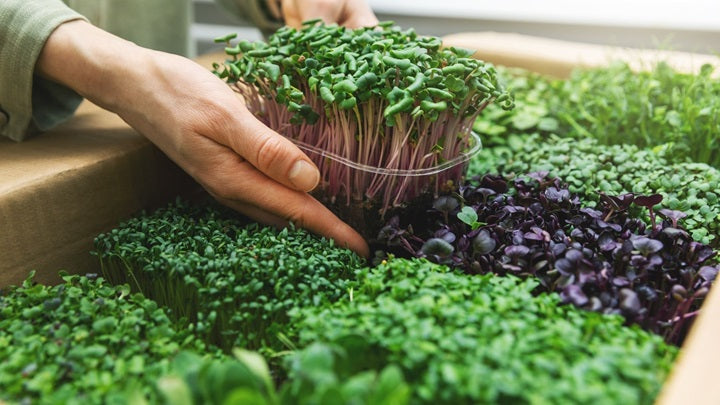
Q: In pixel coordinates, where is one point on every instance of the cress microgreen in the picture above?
(487, 339)
(84, 341)
(234, 281)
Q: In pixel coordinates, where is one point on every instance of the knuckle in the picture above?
(269, 153)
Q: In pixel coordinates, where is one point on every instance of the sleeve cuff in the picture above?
(25, 25)
(257, 12)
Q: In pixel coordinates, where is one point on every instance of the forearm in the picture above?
(92, 62)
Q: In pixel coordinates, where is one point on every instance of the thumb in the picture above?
(269, 152)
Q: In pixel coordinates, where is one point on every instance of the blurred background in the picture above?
(689, 25)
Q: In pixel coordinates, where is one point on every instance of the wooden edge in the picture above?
(695, 377)
(558, 58)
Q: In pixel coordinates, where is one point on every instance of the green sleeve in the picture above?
(255, 11)
(27, 102)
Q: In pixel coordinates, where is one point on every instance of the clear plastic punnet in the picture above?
(390, 183)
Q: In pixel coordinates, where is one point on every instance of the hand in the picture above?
(350, 13)
(196, 119)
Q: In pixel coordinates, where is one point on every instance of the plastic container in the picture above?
(392, 186)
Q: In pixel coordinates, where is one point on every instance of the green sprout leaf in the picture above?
(469, 217)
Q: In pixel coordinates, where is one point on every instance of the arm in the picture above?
(25, 25)
(194, 118)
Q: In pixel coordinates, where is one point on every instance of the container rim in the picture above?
(457, 160)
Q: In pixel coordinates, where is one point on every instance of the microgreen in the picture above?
(659, 108)
(318, 374)
(84, 341)
(487, 339)
(468, 216)
(233, 281)
(588, 167)
(378, 97)
(601, 260)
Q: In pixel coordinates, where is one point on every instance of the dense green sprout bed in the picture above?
(319, 374)
(659, 107)
(84, 341)
(406, 330)
(233, 281)
(567, 128)
(488, 339)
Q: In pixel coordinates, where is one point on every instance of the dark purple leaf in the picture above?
(483, 243)
(446, 235)
(565, 266)
(606, 242)
(557, 249)
(437, 247)
(537, 234)
(577, 234)
(648, 200)
(515, 252)
(595, 304)
(629, 303)
(446, 204)
(617, 203)
(647, 246)
(557, 195)
(672, 215)
(708, 273)
(655, 260)
(573, 293)
(518, 237)
(702, 252)
(675, 233)
(574, 255)
(484, 192)
(592, 213)
(496, 183)
(621, 282)
(678, 292)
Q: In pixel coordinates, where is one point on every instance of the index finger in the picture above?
(251, 192)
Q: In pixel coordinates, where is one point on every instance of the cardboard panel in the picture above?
(62, 188)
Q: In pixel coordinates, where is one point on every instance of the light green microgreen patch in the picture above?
(488, 339)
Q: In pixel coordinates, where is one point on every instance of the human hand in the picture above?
(350, 13)
(200, 123)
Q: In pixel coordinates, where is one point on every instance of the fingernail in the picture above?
(304, 176)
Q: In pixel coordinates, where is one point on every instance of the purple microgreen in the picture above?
(537, 228)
